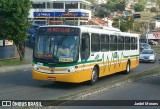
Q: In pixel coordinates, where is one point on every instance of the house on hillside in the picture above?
(100, 1)
(107, 21)
(149, 5)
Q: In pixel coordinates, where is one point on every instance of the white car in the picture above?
(152, 42)
(147, 55)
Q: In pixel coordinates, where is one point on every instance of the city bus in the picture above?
(77, 54)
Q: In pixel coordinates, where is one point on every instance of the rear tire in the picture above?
(94, 76)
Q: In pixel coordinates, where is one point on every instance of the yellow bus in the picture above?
(82, 53)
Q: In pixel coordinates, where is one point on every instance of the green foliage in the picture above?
(114, 5)
(115, 1)
(102, 12)
(136, 28)
(12, 62)
(121, 5)
(154, 9)
(13, 20)
(91, 1)
(125, 24)
(111, 6)
(139, 7)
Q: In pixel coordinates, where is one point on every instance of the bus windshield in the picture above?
(57, 47)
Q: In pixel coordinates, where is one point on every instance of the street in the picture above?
(76, 41)
(19, 85)
(146, 89)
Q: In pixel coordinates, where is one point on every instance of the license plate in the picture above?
(52, 78)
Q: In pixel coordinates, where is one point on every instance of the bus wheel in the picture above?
(94, 76)
(128, 68)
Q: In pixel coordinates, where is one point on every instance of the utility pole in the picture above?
(147, 30)
(157, 8)
(119, 23)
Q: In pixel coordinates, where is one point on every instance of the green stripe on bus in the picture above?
(68, 64)
(131, 56)
(134, 55)
(76, 63)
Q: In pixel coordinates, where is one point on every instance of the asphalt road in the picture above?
(144, 90)
(19, 85)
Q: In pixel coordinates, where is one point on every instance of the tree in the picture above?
(139, 7)
(125, 24)
(102, 11)
(92, 1)
(13, 22)
(121, 5)
(154, 9)
(111, 6)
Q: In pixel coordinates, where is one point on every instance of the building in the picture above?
(157, 24)
(100, 1)
(66, 12)
(149, 5)
(151, 37)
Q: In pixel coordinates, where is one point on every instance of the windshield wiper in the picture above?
(50, 45)
(57, 48)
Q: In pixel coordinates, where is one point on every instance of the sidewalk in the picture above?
(28, 57)
(14, 68)
(28, 54)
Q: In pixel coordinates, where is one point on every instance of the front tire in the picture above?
(94, 76)
(128, 68)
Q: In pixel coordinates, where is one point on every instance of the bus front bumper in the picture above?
(69, 77)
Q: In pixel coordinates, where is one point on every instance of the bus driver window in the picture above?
(85, 47)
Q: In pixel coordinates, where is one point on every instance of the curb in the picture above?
(15, 68)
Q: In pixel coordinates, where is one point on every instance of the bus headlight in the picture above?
(35, 67)
(71, 69)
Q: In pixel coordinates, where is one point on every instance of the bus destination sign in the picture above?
(59, 30)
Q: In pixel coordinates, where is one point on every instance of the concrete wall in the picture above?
(7, 52)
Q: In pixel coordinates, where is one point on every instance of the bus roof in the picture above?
(103, 27)
(86, 26)
(109, 30)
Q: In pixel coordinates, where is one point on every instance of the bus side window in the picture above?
(133, 43)
(85, 46)
(113, 42)
(120, 42)
(127, 43)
